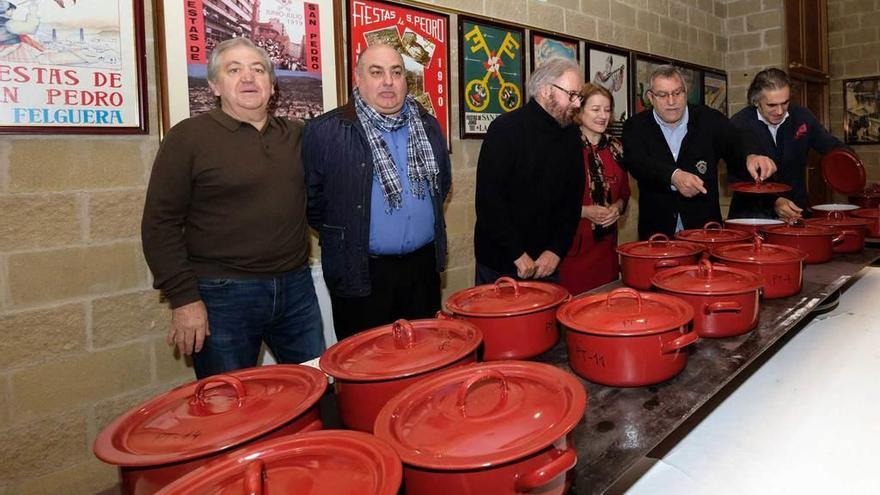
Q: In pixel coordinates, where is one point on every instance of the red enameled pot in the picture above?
(640, 260)
(518, 318)
(165, 438)
(372, 366)
(712, 235)
(627, 338)
(872, 214)
(817, 241)
(840, 222)
(781, 267)
(725, 299)
(329, 462)
(500, 428)
(750, 225)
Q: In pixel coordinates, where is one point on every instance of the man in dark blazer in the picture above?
(785, 132)
(673, 151)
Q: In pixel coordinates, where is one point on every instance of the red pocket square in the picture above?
(801, 132)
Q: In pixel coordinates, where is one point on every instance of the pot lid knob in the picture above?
(466, 386)
(836, 215)
(253, 477)
(198, 397)
(507, 280)
(658, 237)
(706, 268)
(797, 223)
(403, 334)
(624, 291)
(758, 242)
(712, 226)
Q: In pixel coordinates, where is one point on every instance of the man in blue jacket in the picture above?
(378, 172)
(785, 132)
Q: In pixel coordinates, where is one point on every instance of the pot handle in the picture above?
(683, 341)
(666, 264)
(253, 477)
(465, 388)
(546, 473)
(658, 237)
(403, 335)
(198, 397)
(722, 307)
(713, 225)
(624, 291)
(443, 315)
(507, 280)
(843, 235)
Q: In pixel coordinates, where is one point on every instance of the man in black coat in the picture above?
(785, 132)
(673, 151)
(530, 180)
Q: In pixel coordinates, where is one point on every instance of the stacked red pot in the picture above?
(500, 428)
(640, 260)
(781, 267)
(372, 366)
(712, 235)
(817, 241)
(165, 438)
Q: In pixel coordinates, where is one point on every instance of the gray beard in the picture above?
(562, 116)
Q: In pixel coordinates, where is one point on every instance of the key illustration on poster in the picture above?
(289, 32)
(420, 36)
(492, 73)
(68, 64)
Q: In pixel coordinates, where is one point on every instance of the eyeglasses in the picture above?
(663, 94)
(573, 96)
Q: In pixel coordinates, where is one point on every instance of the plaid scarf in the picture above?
(421, 167)
(600, 190)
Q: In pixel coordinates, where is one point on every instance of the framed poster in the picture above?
(297, 35)
(492, 73)
(715, 91)
(693, 78)
(861, 107)
(544, 46)
(72, 67)
(609, 68)
(644, 66)
(421, 37)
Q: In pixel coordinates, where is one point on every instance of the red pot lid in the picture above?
(712, 232)
(625, 312)
(799, 228)
(759, 187)
(329, 462)
(867, 212)
(659, 246)
(402, 349)
(506, 297)
(843, 171)
(837, 219)
(210, 415)
(707, 279)
(482, 415)
(759, 252)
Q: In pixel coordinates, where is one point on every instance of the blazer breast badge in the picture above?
(702, 166)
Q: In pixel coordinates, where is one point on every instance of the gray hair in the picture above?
(217, 52)
(548, 73)
(668, 71)
(770, 79)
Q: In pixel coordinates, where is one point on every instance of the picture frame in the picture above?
(642, 68)
(491, 73)
(74, 68)
(715, 90)
(422, 38)
(610, 68)
(693, 78)
(306, 72)
(861, 110)
(543, 46)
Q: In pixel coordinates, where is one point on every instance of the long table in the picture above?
(622, 425)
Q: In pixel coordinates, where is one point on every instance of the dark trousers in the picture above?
(405, 286)
(243, 313)
(488, 275)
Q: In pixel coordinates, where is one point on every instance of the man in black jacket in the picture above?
(785, 132)
(673, 151)
(530, 179)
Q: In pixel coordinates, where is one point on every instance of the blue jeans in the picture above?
(242, 313)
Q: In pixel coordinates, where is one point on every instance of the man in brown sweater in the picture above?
(224, 228)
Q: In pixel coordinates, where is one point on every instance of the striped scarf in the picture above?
(421, 167)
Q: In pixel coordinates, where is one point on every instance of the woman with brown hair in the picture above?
(592, 259)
